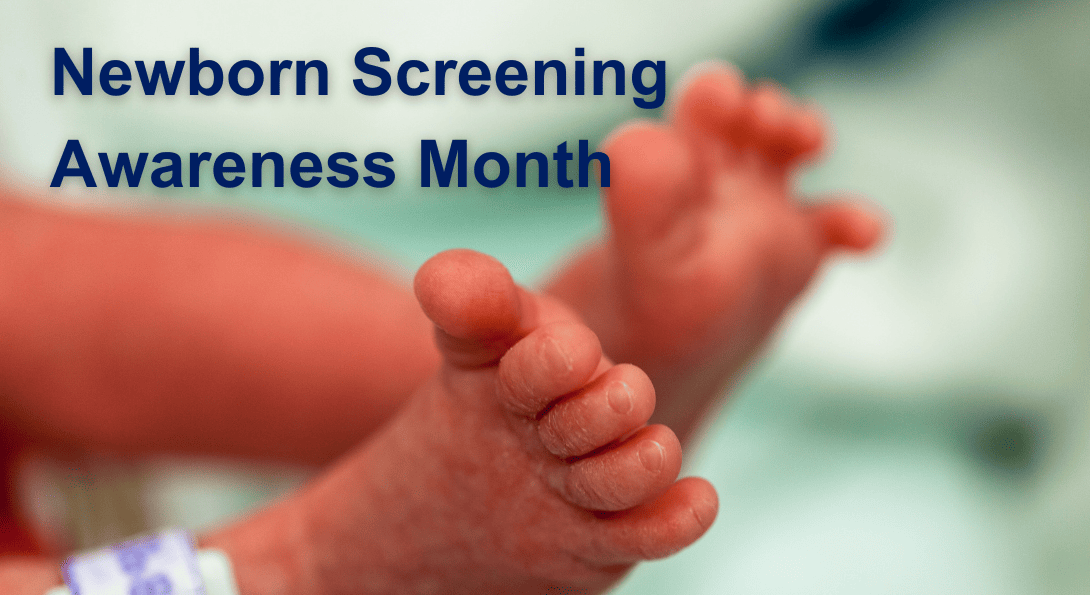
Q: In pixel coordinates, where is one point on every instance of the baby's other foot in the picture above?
(524, 466)
(707, 241)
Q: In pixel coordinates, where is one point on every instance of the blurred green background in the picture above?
(919, 425)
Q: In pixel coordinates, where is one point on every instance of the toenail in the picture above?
(702, 520)
(620, 397)
(556, 352)
(652, 455)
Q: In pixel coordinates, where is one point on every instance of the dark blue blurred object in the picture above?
(864, 32)
(862, 28)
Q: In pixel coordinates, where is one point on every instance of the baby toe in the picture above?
(805, 135)
(660, 527)
(636, 471)
(767, 119)
(550, 362)
(848, 224)
(612, 406)
(711, 101)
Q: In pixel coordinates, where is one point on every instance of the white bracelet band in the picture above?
(161, 564)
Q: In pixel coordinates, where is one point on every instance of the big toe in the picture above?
(476, 307)
(653, 173)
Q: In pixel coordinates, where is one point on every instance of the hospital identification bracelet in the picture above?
(166, 563)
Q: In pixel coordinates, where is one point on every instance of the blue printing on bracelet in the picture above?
(162, 564)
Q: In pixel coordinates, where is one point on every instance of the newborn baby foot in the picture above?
(524, 466)
(707, 242)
